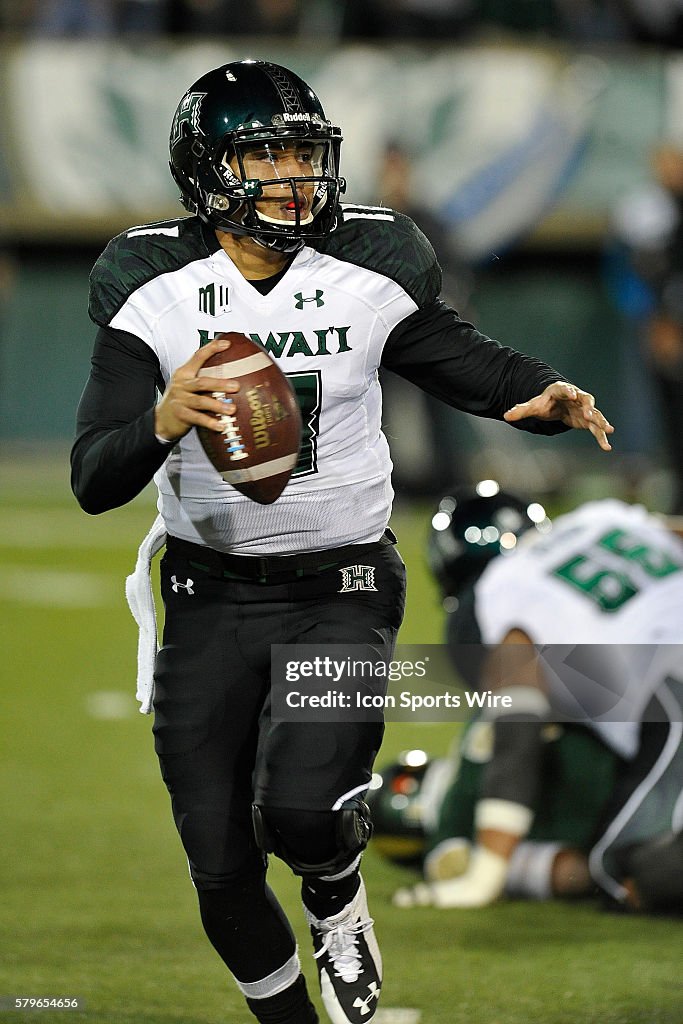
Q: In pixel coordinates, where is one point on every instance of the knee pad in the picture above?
(350, 829)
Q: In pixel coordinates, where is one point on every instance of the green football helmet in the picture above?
(474, 524)
(396, 803)
(222, 120)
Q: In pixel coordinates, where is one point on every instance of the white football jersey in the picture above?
(364, 296)
(608, 575)
(325, 323)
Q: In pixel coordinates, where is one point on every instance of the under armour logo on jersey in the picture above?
(177, 587)
(357, 577)
(364, 1004)
(317, 298)
(230, 77)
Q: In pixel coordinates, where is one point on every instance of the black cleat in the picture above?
(349, 962)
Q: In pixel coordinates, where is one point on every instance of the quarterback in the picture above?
(332, 292)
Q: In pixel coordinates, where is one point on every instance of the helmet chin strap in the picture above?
(278, 244)
(274, 243)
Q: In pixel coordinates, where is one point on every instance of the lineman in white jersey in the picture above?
(606, 576)
(332, 293)
(601, 596)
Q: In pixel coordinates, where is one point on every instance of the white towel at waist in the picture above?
(141, 603)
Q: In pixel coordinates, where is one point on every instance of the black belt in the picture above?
(279, 568)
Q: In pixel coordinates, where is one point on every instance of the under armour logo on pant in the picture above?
(182, 586)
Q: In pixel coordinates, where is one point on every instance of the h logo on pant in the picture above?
(357, 577)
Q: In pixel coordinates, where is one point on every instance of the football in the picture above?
(256, 451)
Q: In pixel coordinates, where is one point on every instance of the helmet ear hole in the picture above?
(198, 149)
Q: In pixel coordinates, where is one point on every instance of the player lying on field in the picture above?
(538, 809)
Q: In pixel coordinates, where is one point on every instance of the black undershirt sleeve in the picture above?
(116, 454)
(449, 359)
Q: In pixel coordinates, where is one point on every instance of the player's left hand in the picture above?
(565, 402)
(482, 884)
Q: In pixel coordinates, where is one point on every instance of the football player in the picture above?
(581, 619)
(332, 292)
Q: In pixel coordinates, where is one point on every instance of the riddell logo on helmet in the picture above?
(296, 117)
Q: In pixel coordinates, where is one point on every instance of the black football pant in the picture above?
(218, 748)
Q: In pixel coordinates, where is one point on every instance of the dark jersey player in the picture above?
(332, 292)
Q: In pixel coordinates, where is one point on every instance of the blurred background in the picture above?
(538, 143)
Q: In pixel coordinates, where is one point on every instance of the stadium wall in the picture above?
(520, 152)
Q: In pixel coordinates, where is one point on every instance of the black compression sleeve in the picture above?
(449, 359)
(116, 454)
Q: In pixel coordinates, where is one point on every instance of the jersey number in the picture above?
(611, 588)
(308, 388)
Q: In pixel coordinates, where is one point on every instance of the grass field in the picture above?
(95, 897)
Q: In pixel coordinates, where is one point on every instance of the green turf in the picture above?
(95, 897)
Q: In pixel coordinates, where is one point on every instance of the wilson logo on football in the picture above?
(258, 444)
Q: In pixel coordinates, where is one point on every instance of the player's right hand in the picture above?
(188, 400)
